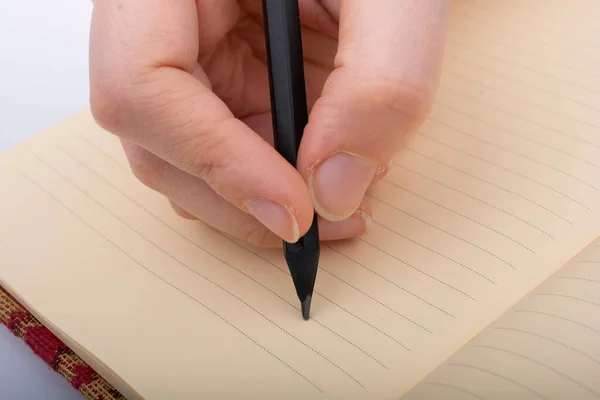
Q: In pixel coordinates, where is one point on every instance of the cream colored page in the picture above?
(546, 347)
(497, 190)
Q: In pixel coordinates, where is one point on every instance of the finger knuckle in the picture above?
(117, 104)
(145, 174)
(412, 98)
(106, 105)
(144, 168)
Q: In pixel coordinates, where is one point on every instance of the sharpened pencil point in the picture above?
(302, 259)
(306, 307)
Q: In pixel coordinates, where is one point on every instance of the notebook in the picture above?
(479, 278)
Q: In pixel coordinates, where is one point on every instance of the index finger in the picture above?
(148, 88)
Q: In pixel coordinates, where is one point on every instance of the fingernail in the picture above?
(275, 217)
(339, 184)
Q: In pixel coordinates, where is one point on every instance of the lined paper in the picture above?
(546, 347)
(494, 193)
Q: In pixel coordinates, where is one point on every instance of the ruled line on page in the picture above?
(396, 284)
(508, 169)
(549, 339)
(508, 131)
(568, 9)
(559, 317)
(523, 83)
(513, 29)
(452, 235)
(505, 112)
(586, 102)
(499, 376)
(498, 166)
(533, 51)
(426, 134)
(463, 193)
(525, 100)
(574, 298)
(453, 45)
(450, 259)
(555, 56)
(388, 307)
(539, 26)
(174, 258)
(579, 278)
(586, 114)
(454, 212)
(169, 284)
(540, 364)
(487, 45)
(456, 388)
(406, 264)
(446, 165)
(528, 100)
(509, 151)
(380, 276)
(549, 16)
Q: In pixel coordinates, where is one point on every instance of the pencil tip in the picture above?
(306, 307)
(303, 262)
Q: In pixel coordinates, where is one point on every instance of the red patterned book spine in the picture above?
(53, 351)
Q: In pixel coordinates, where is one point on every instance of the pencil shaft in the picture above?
(288, 93)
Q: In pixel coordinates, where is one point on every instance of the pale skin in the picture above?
(184, 84)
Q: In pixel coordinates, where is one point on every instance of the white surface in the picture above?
(43, 64)
(24, 376)
(43, 79)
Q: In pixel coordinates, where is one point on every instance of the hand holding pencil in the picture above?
(185, 86)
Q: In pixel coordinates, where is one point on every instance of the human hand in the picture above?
(184, 84)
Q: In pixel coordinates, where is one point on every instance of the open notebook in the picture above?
(480, 278)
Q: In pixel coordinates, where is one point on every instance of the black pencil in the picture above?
(290, 115)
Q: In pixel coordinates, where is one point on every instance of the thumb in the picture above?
(386, 76)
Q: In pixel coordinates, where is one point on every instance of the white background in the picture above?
(43, 79)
